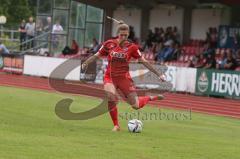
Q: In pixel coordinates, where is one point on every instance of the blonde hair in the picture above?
(122, 26)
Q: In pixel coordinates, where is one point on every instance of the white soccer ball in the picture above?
(135, 126)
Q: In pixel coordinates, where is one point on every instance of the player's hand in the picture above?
(163, 77)
(84, 66)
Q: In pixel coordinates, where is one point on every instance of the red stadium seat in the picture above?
(181, 58)
(238, 68)
(191, 57)
(151, 56)
(186, 57)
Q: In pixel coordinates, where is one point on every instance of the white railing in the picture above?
(9, 35)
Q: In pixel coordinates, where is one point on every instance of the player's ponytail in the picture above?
(122, 26)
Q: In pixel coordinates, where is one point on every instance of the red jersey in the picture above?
(119, 57)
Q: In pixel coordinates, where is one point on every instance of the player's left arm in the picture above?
(143, 61)
(136, 54)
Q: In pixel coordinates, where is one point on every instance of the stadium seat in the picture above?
(186, 58)
(181, 58)
(151, 56)
(238, 68)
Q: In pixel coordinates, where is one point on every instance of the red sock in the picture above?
(112, 108)
(143, 101)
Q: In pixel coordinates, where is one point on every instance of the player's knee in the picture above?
(112, 97)
(112, 103)
(134, 106)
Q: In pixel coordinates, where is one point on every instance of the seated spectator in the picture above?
(131, 34)
(177, 52)
(210, 61)
(70, 51)
(159, 49)
(238, 57)
(236, 42)
(176, 35)
(156, 39)
(169, 34)
(156, 36)
(198, 61)
(74, 47)
(167, 51)
(207, 49)
(149, 41)
(95, 46)
(213, 37)
(3, 49)
(231, 63)
(222, 61)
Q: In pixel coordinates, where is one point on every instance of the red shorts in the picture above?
(125, 84)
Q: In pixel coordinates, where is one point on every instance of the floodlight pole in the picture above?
(3, 21)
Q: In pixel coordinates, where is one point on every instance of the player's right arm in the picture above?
(90, 60)
(103, 51)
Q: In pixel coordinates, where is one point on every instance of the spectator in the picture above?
(198, 61)
(167, 51)
(169, 34)
(3, 49)
(56, 33)
(156, 35)
(231, 63)
(48, 26)
(238, 57)
(236, 42)
(210, 61)
(207, 49)
(159, 49)
(22, 31)
(177, 52)
(30, 32)
(131, 34)
(57, 28)
(149, 41)
(74, 47)
(47, 29)
(155, 39)
(213, 38)
(95, 46)
(70, 51)
(39, 27)
(176, 35)
(222, 61)
(162, 35)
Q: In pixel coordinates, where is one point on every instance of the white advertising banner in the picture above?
(44, 66)
(186, 79)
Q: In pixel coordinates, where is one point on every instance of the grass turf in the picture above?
(30, 129)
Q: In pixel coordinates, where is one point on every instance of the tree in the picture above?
(4, 7)
(16, 10)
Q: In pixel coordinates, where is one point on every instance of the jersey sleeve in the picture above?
(103, 50)
(135, 52)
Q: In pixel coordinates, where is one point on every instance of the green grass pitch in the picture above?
(30, 129)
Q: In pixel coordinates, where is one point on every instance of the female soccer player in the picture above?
(119, 51)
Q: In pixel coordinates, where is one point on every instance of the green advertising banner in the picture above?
(1, 62)
(218, 82)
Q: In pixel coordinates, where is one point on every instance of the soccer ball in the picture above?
(135, 126)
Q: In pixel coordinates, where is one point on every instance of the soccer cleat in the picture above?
(158, 97)
(116, 128)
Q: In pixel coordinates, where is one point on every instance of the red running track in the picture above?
(207, 105)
